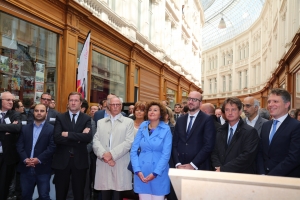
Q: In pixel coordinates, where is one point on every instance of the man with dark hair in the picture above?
(52, 104)
(280, 138)
(36, 148)
(71, 135)
(251, 106)
(236, 143)
(19, 107)
(10, 127)
(51, 113)
(84, 106)
(177, 111)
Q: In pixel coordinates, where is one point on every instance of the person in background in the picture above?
(169, 119)
(222, 118)
(71, 134)
(209, 109)
(251, 107)
(130, 110)
(185, 110)
(139, 112)
(36, 148)
(19, 107)
(297, 114)
(165, 103)
(292, 113)
(111, 144)
(264, 113)
(183, 104)
(84, 106)
(177, 111)
(10, 127)
(280, 138)
(93, 109)
(236, 142)
(154, 138)
(218, 112)
(52, 104)
(104, 104)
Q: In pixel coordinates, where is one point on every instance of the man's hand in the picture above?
(34, 161)
(28, 162)
(111, 163)
(141, 176)
(180, 166)
(15, 122)
(86, 130)
(64, 134)
(107, 157)
(217, 169)
(188, 166)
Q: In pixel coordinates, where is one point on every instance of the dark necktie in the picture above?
(273, 130)
(190, 126)
(73, 120)
(230, 136)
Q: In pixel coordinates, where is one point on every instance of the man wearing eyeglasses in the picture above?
(10, 127)
(194, 137)
(251, 106)
(111, 144)
(51, 113)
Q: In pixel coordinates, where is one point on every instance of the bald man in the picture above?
(251, 107)
(209, 109)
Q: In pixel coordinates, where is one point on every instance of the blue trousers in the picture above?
(30, 179)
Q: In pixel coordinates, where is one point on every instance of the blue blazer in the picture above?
(43, 150)
(199, 144)
(153, 158)
(282, 156)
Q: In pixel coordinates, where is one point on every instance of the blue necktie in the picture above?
(230, 136)
(190, 126)
(273, 130)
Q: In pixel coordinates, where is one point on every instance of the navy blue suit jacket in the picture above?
(43, 150)
(197, 147)
(282, 156)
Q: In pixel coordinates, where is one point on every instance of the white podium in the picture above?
(197, 184)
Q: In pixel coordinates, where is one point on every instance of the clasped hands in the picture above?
(107, 157)
(149, 178)
(31, 162)
(186, 166)
(65, 133)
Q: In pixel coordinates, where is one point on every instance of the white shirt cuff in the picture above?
(196, 168)
(177, 165)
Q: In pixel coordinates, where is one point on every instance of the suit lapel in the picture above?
(68, 119)
(281, 128)
(44, 127)
(196, 123)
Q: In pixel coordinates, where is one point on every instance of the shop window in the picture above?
(171, 97)
(108, 76)
(28, 59)
(184, 96)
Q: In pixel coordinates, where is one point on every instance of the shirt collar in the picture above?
(281, 119)
(233, 127)
(115, 117)
(253, 120)
(42, 124)
(195, 115)
(71, 114)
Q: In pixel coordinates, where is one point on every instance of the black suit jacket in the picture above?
(282, 156)
(76, 140)
(9, 140)
(199, 144)
(241, 153)
(43, 149)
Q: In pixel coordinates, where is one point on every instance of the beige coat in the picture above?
(121, 135)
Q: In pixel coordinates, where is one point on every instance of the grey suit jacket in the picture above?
(260, 121)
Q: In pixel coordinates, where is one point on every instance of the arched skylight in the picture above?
(238, 15)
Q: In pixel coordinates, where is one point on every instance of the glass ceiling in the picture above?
(238, 15)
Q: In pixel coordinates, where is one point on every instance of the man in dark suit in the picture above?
(279, 153)
(194, 137)
(251, 106)
(36, 148)
(177, 111)
(51, 113)
(236, 143)
(10, 127)
(71, 135)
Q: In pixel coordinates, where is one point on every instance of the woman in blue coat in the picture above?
(151, 166)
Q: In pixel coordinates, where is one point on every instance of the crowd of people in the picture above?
(111, 155)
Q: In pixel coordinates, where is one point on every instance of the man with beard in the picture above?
(36, 148)
(194, 137)
(251, 106)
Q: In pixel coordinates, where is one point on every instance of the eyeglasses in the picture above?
(247, 105)
(193, 99)
(45, 99)
(115, 105)
(8, 100)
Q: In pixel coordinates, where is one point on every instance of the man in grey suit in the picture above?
(251, 106)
